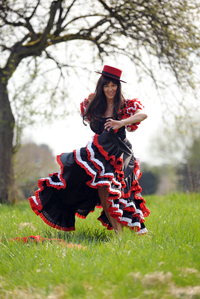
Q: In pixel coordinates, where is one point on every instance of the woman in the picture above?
(102, 174)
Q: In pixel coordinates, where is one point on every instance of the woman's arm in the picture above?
(136, 118)
(117, 124)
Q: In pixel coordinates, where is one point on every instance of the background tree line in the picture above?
(33, 161)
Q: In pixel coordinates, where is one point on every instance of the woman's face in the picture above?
(110, 90)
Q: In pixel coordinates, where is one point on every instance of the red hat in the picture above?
(111, 72)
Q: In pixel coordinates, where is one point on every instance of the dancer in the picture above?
(103, 174)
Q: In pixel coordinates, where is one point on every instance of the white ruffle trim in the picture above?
(142, 231)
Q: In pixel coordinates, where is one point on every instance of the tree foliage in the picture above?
(172, 144)
(149, 182)
(179, 149)
(31, 162)
(189, 170)
(167, 30)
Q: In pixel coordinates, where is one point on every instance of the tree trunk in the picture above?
(6, 137)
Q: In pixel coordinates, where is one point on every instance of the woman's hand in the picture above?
(117, 124)
(113, 124)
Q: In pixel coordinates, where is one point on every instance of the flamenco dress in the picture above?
(107, 160)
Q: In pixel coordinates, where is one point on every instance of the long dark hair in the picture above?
(98, 104)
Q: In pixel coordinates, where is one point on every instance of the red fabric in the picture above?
(84, 104)
(66, 229)
(38, 206)
(81, 216)
(102, 151)
(129, 110)
(112, 70)
(38, 239)
(105, 224)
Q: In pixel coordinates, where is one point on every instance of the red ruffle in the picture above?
(66, 229)
(61, 174)
(94, 163)
(137, 189)
(110, 177)
(82, 108)
(81, 216)
(36, 207)
(89, 183)
(47, 180)
(134, 104)
(135, 228)
(102, 151)
(39, 239)
(99, 206)
(129, 110)
(105, 224)
(84, 104)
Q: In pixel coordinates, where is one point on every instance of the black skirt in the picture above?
(105, 161)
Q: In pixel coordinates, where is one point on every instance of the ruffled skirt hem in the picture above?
(105, 161)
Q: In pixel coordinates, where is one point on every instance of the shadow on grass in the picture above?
(82, 236)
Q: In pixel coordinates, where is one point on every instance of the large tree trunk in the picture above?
(6, 138)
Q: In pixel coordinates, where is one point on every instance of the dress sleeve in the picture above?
(129, 110)
(84, 104)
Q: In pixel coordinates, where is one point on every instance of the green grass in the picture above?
(165, 263)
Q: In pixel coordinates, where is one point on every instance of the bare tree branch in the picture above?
(34, 11)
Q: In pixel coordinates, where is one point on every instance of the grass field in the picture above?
(165, 263)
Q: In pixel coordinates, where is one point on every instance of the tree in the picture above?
(173, 144)
(149, 180)
(189, 170)
(165, 30)
(31, 162)
(176, 149)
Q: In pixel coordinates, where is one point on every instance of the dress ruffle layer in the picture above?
(105, 161)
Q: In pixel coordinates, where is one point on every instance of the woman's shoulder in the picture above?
(129, 109)
(85, 102)
(130, 106)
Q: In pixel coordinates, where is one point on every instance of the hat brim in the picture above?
(110, 76)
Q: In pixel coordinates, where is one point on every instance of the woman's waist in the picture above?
(127, 142)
